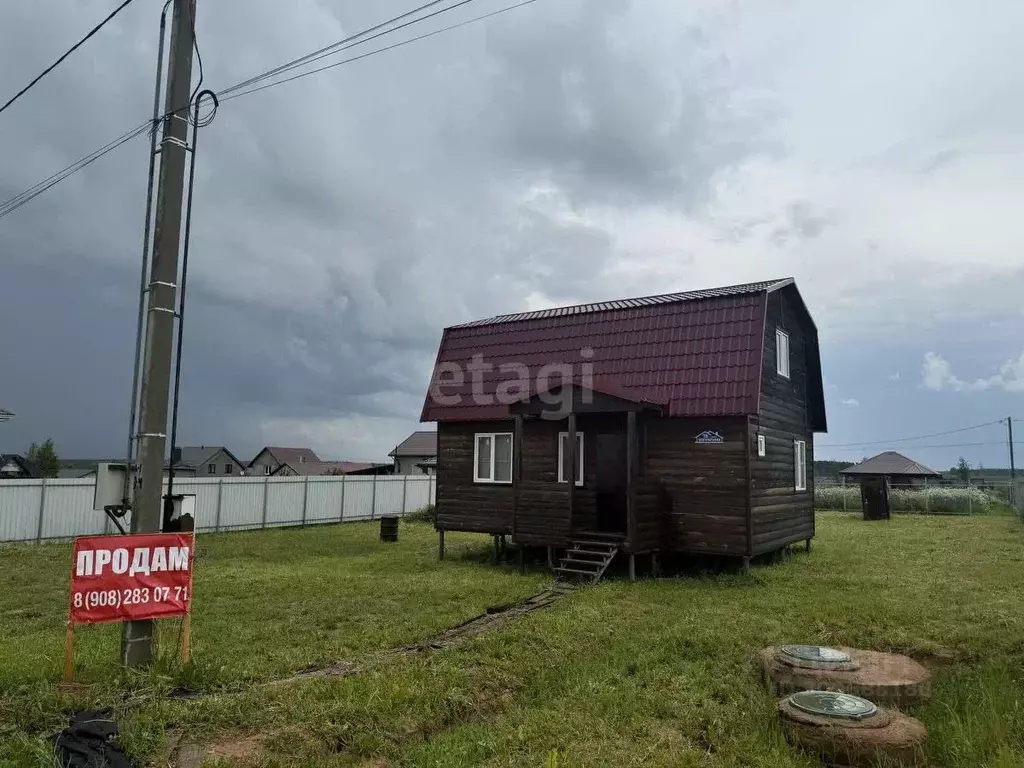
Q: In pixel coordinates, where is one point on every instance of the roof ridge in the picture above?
(631, 303)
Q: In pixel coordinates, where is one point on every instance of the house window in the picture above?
(302, 458)
(563, 457)
(227, 469)
(492, 457)
(782, 352)
(211, 469)
(800, 460)
(266, 469)
(760, 445)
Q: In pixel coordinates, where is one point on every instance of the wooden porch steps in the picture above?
(588, 558)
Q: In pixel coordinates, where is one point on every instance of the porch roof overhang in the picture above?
(583, 395)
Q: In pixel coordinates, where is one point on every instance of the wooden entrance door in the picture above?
(611, 482)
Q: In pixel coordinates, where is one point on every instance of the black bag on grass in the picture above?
(87, 742)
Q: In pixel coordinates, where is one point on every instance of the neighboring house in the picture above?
(413, 451)
(15, 467)
(428, 466)
(313, 469)
(207, 461)
(691, 416)
(898, 468)
(270, 460)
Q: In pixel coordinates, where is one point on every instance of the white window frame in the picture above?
(781, 360)
(561, 457)
(211, 469)
(476, 457)
(800, 465)
(266, 469)
(761, 446)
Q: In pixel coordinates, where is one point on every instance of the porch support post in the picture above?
(440, 543)
(632, 567)
(571, 460)
(517, 471)
(631, 467)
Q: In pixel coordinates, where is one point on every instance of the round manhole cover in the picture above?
(831, 704)
(816, 657)
(816, 653)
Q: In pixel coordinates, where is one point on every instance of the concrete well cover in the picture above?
(833, 704)
(816, 657)
(884, 678)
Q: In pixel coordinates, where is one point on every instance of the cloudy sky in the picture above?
(571, 150)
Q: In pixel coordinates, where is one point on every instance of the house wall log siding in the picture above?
(703, 488)
(543, 519)
(463, 505)
(781, 514)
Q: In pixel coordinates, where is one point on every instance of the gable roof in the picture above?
(890, 463)
(317, 468)
(420, 443)
(198, 455)
(289, 456)
(27, 468)
(697, 353)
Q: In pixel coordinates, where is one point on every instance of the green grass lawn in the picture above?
(652, 673)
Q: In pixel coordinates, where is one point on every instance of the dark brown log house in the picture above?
(689, 419)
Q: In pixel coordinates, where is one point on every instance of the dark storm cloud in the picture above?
(342, 220)
(613, 114)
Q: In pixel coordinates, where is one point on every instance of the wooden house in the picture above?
(685, 422)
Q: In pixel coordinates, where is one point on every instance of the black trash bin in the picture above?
(389, 528)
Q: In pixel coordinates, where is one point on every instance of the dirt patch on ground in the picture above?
(240, 748)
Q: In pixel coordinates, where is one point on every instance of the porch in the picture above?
(577, 470)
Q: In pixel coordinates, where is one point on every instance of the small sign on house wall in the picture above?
(709, 436)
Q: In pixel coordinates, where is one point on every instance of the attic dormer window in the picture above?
(782, 353)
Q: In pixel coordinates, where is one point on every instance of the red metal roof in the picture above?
(696, 353)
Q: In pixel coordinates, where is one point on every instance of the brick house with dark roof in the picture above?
(686, 422)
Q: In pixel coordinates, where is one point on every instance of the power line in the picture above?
(9, 206)
(386, 48)
(910, 439)
(67, 53)
(326, 49)
(14, 203)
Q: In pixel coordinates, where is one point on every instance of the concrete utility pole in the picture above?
(1013, 485)
(137, 636)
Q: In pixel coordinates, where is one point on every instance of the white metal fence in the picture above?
(44, 510)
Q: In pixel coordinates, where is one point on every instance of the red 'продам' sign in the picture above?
(145, 576)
